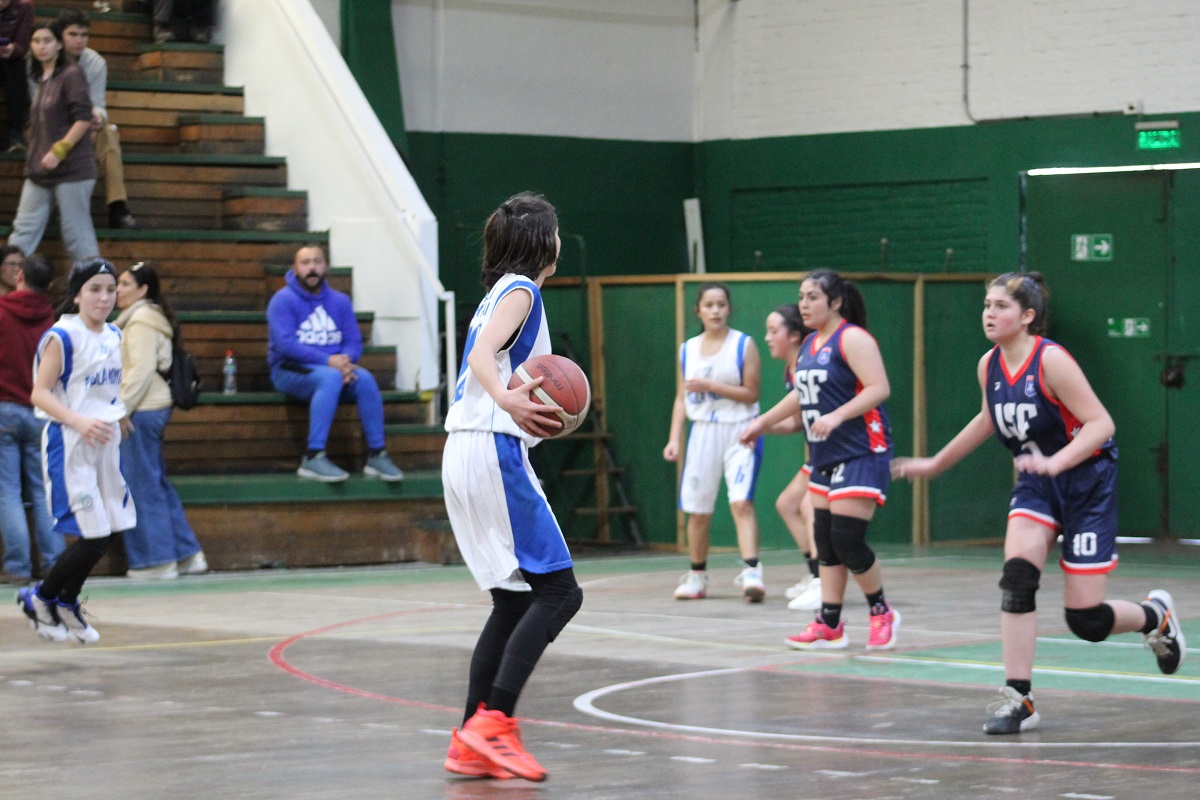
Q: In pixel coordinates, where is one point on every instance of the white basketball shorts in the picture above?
(712, 451)
(85, 490)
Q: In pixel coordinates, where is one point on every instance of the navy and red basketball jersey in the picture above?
(824, 382)
(1027, 419)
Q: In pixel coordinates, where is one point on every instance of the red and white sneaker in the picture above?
(496, 737)
(462, 760)
(883, 630)
(693, 586)
(819, 636)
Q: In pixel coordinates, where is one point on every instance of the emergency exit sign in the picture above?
(1128, 327)
(1158, 139)
(1091, 247)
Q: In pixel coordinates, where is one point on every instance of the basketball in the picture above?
(565, 386)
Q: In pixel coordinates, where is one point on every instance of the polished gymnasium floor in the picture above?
(346, 683)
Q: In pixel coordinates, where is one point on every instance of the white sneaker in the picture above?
(72, 616)
(809, 599)
(751, 581)
(798, 588)
(160, 572)
(43, 615)
(193, 565)
(693, 587)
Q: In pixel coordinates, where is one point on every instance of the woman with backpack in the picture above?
(162, 545)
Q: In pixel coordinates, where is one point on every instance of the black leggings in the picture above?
(520, 627)
(66, 577)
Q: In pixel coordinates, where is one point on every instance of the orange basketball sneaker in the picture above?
(463, 760)
(497, 738)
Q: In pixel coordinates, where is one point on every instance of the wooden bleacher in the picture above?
(221, 226)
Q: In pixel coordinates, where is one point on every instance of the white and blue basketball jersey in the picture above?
(91, 378)
(825, 382)
(472, 408)
(1026, 418)
(85, 491)
(724, 366)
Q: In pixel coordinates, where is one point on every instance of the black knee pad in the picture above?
(1091, 624)
(849, 536)
(823, 537)
(1019, 584)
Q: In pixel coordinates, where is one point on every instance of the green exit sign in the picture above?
(1158, 140)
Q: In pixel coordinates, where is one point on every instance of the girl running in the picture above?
(77, 383)
(1039, 404)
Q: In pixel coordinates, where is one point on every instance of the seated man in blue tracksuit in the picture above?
(313, 349)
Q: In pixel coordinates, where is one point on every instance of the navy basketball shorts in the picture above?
(866, 476)
(1081, 504)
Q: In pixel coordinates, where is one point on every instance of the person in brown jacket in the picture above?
(60, 166)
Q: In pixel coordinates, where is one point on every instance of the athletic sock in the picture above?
(311, 453)
(814, 567)
(1021, 687)
(876, 602)
(831, 614)
(750, 562)
(1153, 620)
(699, 566)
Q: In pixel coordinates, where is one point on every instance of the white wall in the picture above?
(788, 67)
(630, 69)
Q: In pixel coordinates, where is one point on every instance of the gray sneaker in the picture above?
(320, 468)
(382, 467)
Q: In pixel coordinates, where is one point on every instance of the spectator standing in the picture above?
(313, 351)
(59, 165)
(16, 25)
(161, 545)
(25, 314)
(106, 139)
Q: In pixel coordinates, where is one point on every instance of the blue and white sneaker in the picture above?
(382, 467)
(320, 468)
(43, 616)
(76, 626)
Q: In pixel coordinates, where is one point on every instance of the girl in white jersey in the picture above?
(77, 382)
(719, 394)
(504, 527)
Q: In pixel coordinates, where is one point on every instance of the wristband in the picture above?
(61, 148)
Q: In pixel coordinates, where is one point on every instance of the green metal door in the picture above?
(1102, 242)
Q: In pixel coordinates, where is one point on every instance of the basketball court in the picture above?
(346, 683)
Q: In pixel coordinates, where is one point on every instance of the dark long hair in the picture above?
(1029, 290)
(519, 238)
(145, 275)
(35, 66)
(835, 287)
(790, 313)
(82, 272)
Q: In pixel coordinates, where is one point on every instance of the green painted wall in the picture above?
(787, 203)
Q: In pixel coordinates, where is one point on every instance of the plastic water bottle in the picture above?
(230, 371)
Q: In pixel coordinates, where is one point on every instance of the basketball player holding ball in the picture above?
(502, 523)
(719, 394)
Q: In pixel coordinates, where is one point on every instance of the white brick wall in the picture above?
(630, 69)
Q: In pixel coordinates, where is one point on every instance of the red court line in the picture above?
(276, 656)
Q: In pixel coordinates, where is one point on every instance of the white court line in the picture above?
(1092, 673)
(585, 704)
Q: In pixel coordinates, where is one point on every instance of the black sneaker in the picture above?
(1167, 640)
(1013, 714)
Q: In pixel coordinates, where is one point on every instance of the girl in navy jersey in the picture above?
(1040, 406)
(841, 385)
(504, 527)
(719, 395)
(77, 383)
(785, 332)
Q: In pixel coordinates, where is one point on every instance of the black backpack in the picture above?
(183, 377)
